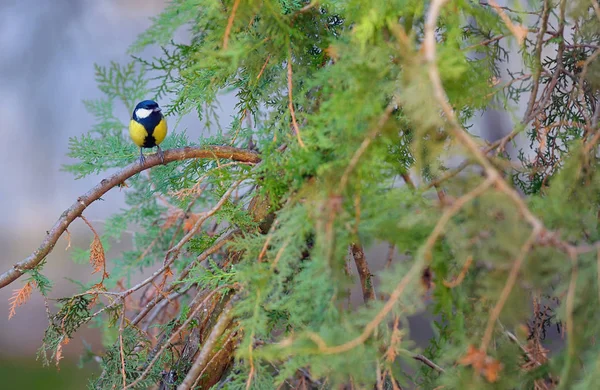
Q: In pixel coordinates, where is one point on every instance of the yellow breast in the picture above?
(160, 131)
(137, 132)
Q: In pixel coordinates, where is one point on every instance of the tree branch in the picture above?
(428, 362)
(183, 326)
(366, 281)
(203, 358)
(105, 185)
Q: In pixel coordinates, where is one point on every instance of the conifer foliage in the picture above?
(353, 128)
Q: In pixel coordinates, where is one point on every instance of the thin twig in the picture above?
(263, 67)
(390, 255)
(428, 362)
(596, 8)
(465, 139)
(205, 215)
(508, 286)
(570, 322)
(202, 257)
(409, 182)
(510, 9)
(366, 142)
(121, 352)
(518, 31)
(484, 43)
(280, 253)
(236, 3)
(308, 6)
(538, 61)
(461, 275)
(547, 95)
(291, 99)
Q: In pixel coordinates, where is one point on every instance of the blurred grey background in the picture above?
(48, 50)
(46, 68)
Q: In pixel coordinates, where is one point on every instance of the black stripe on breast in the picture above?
(150, 124)
(149, 141)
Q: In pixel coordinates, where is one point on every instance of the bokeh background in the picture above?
(48, 51)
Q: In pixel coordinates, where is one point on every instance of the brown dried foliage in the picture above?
(97, 256)
(59, 355)
(19, 297)
(484, 365)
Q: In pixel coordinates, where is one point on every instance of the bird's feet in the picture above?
(142, 158)
(161, 154)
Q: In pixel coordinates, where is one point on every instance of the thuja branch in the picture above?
(207, 152)
(180, 328)
(366, 281)
(203, 357)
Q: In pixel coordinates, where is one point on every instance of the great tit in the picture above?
(148, 127)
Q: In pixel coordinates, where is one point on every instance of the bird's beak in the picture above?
(157, 109)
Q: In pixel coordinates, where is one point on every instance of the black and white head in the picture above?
(146, 109)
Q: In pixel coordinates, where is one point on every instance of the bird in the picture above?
(148, 127)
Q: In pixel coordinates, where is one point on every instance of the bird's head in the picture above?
(146, 108)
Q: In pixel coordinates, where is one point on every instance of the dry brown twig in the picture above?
(428, 362)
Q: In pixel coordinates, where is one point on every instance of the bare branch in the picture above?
(105, 185)
(428, 362)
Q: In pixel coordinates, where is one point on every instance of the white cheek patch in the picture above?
(142, 113)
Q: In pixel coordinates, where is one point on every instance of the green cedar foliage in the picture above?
(368, 116)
